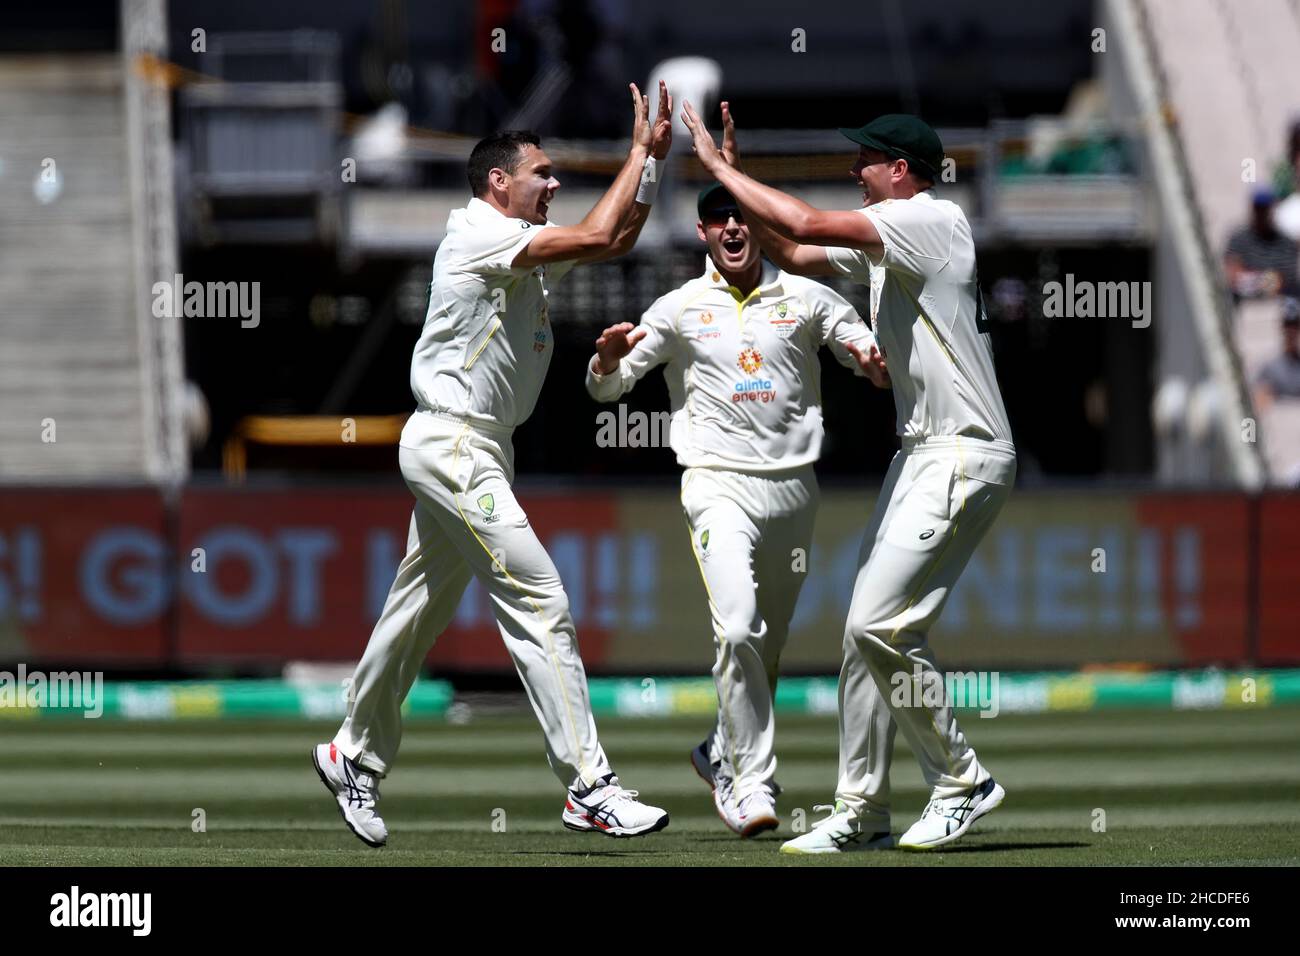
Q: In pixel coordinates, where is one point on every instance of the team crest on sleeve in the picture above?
(487, 504)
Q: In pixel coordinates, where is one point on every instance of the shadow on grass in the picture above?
(611, 853)
(998, 847)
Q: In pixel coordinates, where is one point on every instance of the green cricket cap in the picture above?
(707, 195)
(903, 136)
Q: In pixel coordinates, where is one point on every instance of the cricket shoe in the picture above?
(841, 832)
(355, 790)
(750, 816)
(607, 808)
(706, 770)
(948, 818)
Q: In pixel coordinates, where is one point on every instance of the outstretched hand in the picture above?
(661, 138)
(730, 151)
(614, 343)
(701, 140)
(872, 363)
(641, 131)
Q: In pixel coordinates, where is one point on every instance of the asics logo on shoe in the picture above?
(602, 814)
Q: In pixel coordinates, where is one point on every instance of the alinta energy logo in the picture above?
(752, 389)
(57, 690)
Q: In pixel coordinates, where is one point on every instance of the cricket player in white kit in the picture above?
(739, 347)
(476, 374)
(944, 487)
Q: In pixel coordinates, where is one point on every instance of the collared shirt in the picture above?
(928, 313)
(742, 371)
(487, 342)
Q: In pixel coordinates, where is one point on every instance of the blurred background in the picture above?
(211, 496)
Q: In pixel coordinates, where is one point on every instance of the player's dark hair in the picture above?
(502, 150)
(921, 174)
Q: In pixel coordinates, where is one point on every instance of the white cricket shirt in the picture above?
(487, 342)
(928, 314)
(744, 383)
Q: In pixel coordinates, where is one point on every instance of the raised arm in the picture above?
(661, 140)
(603, 227)
(780, 213)
(786, 253)
(600, 227)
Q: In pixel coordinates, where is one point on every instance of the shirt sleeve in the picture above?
(492, 247)
(853, 263)
(658, 346)
(838, 324)
(916, 236)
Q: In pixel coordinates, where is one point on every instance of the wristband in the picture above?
(649, 188)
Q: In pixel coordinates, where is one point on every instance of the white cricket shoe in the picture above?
(609, 809)
(948, 818)
(753, 815)
(841, 832)
(355, 790)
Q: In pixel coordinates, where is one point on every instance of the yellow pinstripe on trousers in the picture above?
(466, 523)
(939, 499)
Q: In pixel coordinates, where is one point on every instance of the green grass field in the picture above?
(1186, 788)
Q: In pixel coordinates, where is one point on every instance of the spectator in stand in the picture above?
(1286, 174)
(1286, 180)
(1259, 260)
(1280, 378)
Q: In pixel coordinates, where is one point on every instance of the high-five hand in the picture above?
(614, 343)
(702, 142)
(641, 131)
(730, 151)
(661, 139)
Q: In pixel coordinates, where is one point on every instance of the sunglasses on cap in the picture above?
(718, 215)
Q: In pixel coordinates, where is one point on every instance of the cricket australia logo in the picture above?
(782, 322)
(487, 504)
(704, 540)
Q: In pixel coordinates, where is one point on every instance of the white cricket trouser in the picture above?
(467, 522)
(751, 534)
(939, 498)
